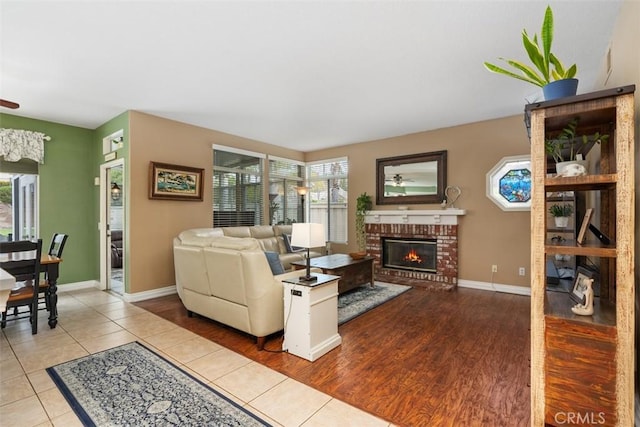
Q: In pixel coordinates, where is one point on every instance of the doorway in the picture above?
(113, 227)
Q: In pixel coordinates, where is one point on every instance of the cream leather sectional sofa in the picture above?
(223, 274)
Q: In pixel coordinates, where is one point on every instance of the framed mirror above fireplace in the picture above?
(411, 179)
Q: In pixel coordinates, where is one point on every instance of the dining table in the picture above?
(49, 264)
(7, 282)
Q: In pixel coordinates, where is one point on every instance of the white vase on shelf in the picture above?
(561, 221)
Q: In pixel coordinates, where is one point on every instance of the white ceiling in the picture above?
(300, 74)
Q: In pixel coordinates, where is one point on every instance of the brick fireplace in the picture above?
(440, 226)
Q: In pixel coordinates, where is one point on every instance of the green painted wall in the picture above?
(67, 193)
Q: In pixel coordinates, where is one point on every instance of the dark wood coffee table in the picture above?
(352, 272)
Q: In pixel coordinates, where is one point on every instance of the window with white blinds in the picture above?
(327, 200)
(284, 202)
(237, 187)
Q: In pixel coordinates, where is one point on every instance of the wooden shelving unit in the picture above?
(584, 365)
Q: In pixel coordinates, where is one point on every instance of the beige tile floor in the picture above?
(91, 321)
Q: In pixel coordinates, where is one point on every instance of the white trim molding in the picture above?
(406, 216)
(496, 287)
(153, 293)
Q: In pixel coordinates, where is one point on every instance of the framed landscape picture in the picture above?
(174, 182)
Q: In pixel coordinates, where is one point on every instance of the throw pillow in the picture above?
(274, 263)
(287, 244)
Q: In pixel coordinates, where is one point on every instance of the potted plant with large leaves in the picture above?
(364, 204)
(565, 148)
(547, 71)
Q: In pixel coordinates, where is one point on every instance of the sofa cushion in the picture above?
(274, 262)
(200, 237)
(235, 243)
(270, 244)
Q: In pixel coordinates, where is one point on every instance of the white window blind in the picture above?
(284, 202)
(237, 187)
(328, 196)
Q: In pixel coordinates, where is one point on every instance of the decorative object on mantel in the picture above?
(16, 144)
(555, 83)
(363, 205)
(509, 183)
(451, 193)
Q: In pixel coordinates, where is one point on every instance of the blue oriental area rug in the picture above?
(132, 386)
(364, 298)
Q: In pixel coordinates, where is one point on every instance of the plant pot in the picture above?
(561, 221)
(560, 89)
(567, 168)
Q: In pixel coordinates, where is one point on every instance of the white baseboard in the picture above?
(87, 284)
(138, 296)
(496, 287)
(153, 293)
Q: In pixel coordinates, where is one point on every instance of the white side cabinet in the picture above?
(311, 316)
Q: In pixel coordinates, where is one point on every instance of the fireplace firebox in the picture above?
(409, 254)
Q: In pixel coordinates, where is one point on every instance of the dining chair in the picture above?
(23, 262)
(55, 249)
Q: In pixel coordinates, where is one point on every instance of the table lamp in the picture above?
(307, 235)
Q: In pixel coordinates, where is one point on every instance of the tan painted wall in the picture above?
(487, 235)
(154, 223)
(625, 70)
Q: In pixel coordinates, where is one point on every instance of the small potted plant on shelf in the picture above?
(565, 149)
(561, 214)
(548, 72)
(363, 205)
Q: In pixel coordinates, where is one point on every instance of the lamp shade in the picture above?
(307, 235)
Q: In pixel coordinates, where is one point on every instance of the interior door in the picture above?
(113, 227)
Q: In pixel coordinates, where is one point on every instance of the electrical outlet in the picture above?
(521, 271)
(296, 293)
(494, 268)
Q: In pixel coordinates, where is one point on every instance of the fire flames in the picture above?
(412, 256)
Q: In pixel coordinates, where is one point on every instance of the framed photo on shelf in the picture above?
(174, 182)
(585, 225)
(577, 292)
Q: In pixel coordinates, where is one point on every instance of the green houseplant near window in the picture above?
(363, 205)
(548, 71)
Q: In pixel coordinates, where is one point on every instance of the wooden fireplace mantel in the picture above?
(427, 217)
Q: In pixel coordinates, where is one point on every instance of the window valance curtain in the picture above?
(16, 144)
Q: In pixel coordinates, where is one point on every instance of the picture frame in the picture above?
(584, 226)
(577, 291)
(175, 182)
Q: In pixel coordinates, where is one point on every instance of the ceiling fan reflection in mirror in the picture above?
(398, 180)
(9, 104)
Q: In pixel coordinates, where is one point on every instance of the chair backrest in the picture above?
(57, 244)
(22, 260)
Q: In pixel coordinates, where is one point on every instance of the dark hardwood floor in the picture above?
(425, 358)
